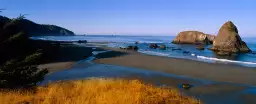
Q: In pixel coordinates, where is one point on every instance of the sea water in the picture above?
(173, 50)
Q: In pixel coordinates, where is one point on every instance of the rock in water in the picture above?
(162, 47)
(153, 45)
(200, 47)
(186, 86)
(82, 41)
(228, 40)
(191, 37)
(134, 48)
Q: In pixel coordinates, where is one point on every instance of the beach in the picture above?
(67, 56)
(213, 83)
(202, 70)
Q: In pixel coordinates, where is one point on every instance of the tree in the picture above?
(19, 58)
(21, 74)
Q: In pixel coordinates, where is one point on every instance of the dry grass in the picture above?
(98, 91)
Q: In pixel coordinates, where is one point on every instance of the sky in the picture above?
(137, 17)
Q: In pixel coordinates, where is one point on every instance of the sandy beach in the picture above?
(71, 54)
(202, 70)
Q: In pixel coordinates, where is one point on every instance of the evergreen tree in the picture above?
(19, 58)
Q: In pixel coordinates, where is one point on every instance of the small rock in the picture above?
(153, 45)
(136, 42)
(186, 52)
(135, 48)
(200, 47)
(82, 41)
(162, 47)
(176, 49)
(186, 86)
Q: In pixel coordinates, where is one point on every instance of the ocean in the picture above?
(173, 50)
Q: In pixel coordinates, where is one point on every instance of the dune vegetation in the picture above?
(97, 91)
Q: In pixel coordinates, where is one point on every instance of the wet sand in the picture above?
(68, 55)
(207, 91)
(195, 69)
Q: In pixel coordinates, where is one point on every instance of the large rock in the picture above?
(228, 40)
(191, 37)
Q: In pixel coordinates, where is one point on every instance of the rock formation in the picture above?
(210, 38)
(228, 40)
(192, 37)
(134, 48)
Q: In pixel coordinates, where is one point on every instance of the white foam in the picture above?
(193, 54)
(153, 53)
(225, 60)
(98, 52)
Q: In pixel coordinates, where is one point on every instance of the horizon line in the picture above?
(76, 34)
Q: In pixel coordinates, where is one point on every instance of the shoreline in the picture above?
(196, 69)
(68, 55)
(178, 66)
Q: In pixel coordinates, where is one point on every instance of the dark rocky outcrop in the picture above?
(82, 41)
(34, 29)
(228, 40)
(186, 52)
(192, 37)
(153, 45)
(176, 49)
(134, 48)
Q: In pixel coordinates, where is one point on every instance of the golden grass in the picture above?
(98, 91)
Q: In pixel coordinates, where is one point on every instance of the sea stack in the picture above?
(228, 40)
(192, 37)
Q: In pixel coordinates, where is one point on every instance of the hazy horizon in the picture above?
(137, 17)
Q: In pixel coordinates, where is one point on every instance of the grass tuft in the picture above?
(97, 91)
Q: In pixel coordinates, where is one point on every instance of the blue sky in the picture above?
(137, 17)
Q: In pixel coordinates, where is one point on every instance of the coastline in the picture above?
(185, 67)
(70, 55)
(209, 84)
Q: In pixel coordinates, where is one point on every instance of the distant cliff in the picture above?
(34, 29)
